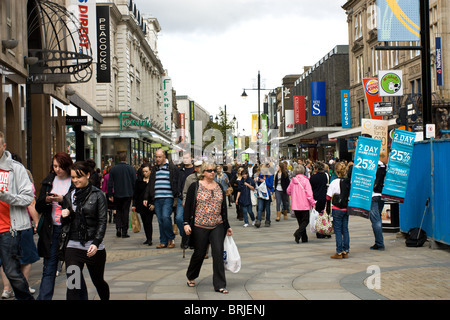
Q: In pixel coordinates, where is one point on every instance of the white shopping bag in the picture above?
(231, 257)
(262, 191)
(313, 214)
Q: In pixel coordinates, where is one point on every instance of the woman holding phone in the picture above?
(49, 205)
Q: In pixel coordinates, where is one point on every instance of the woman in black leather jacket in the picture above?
(84, 220)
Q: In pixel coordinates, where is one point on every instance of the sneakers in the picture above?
(245, 225)
(7, 294)
(376, 247)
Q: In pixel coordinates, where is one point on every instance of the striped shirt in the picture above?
(162, 183)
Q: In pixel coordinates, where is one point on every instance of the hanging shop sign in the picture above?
(289, 116)
(85, 12)
(345, 109)
(299, 109)
(103, 45)
(372, 96)
(167, 103)
(390, 83)
(318, 99)
(439, 69)
(398, 20)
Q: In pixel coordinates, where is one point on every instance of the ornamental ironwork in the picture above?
(53, 34)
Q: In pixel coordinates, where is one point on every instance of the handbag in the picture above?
(231, 257)
(229, 191)
(324, 224)
(135, 222)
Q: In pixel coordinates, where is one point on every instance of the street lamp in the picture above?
(244, 95)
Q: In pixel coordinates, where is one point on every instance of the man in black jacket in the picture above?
(122, 179)
(184, 171)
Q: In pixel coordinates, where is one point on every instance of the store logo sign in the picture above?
(126, 122)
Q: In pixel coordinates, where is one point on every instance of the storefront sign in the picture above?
(126, 122)
(439, 69)
(363, 173)
(76, 120)
(103, 45)
(345, 109)
(299, 109)
(318, 99)
(398, 20)
(167, 102)
(390, 83)
(371, 92)
(399, 165)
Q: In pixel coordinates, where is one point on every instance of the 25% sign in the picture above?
(365, 164)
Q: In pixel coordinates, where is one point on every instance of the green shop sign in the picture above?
(126, 122)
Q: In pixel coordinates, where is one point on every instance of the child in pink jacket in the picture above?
(301, 201)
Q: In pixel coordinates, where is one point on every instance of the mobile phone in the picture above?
(51, 194)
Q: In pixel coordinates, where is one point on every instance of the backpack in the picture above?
(341, 200)
(416, 237)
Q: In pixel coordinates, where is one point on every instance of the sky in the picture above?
(213, 49)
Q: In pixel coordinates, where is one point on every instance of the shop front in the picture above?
(134, 135)
(312, 144)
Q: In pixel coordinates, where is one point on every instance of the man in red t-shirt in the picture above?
(16, 194)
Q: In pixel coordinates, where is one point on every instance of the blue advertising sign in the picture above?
(398, 20)
(318, 98)
(399, 165)
(439, 68)
(363, 172)
(345, 109)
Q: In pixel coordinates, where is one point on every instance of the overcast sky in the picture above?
(213, 49)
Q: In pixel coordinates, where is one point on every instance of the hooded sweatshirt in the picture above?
(301, 193)
(17, 195)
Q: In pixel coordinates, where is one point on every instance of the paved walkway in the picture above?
(274, 267)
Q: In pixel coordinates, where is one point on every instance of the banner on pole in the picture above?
(363, 173)
(399, 165)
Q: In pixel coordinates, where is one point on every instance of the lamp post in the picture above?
(244, 95)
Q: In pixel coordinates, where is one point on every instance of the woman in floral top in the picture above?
(206, 222)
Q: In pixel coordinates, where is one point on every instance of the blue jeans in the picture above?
(375, 217)
(50, 267)
(282, 199)
(340, 226)
(163, 210)
(10, 254)
(262, 203)
(179, 216)
(245, 210)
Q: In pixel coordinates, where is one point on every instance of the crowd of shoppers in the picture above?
(76, 202)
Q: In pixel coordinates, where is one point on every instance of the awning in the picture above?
(311, 133)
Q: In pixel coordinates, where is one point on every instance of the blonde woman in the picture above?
(205, 220)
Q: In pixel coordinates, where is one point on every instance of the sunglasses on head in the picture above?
(210, 170)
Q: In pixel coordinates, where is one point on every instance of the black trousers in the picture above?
(147, 222)
(203, 237)
(122, 214)
(75, 260)
(303, 221)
